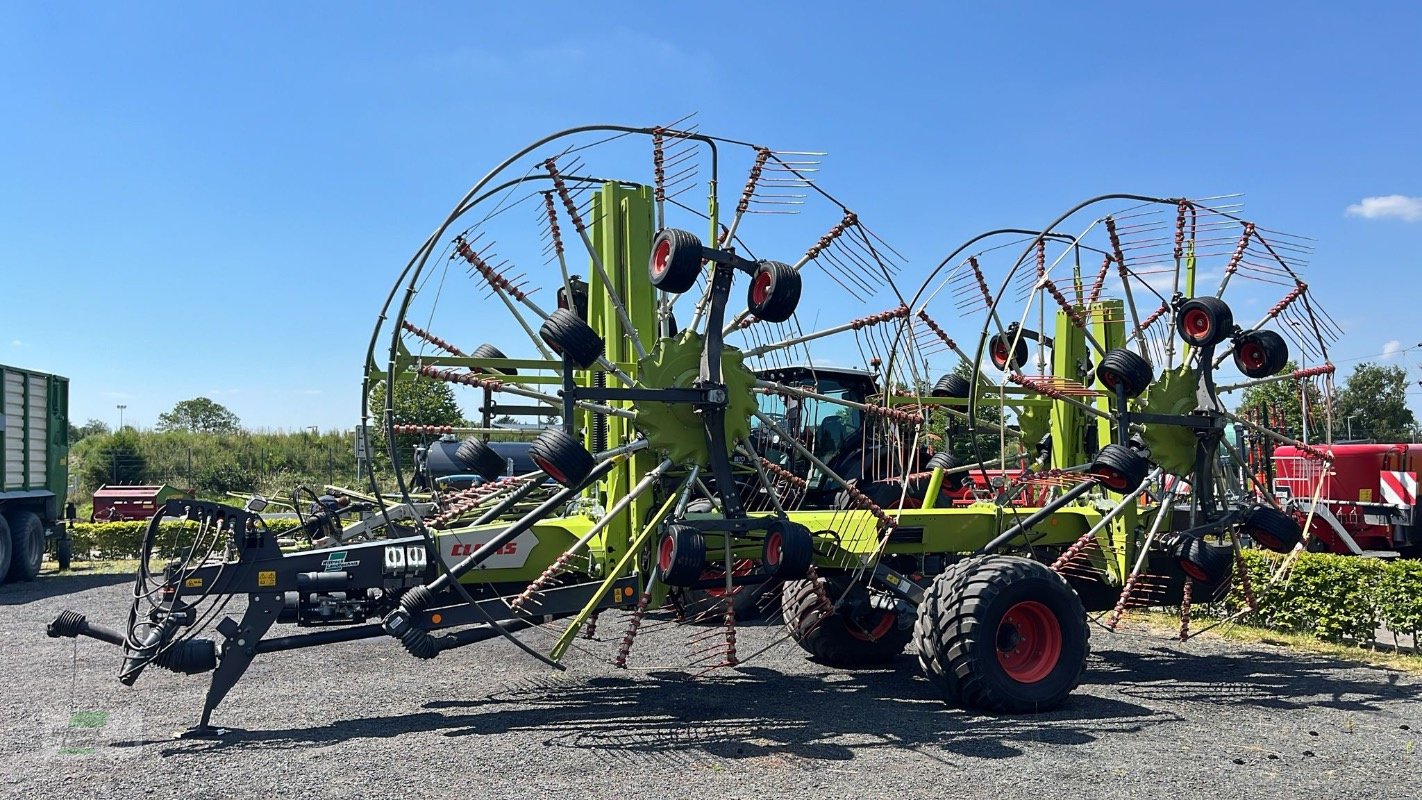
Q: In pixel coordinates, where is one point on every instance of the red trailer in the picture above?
(1366, 499)
(115, 503)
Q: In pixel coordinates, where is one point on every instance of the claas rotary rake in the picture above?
(706, 450)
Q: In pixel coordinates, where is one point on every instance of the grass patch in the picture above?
(118, 566)
(1410, 663)
(88, 719)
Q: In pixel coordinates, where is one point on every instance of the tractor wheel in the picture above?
(1126, 368)
(561, 457)
(27, 536)
(1207, 565)
(1272, 528)
(1001, 633)
(952, 385)
(676, 260)
(788, 551)
(571, 338)
(1204, 321)
(1119, 468)
(490, 351)
(843, 638)
(945, 460)
(479, 458)
(64, 552)
(7, 545)
(998, 352)
(1259, 354)
(681, 555)
(774, 291)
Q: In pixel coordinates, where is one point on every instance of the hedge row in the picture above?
(1335, 598)
(113, 540)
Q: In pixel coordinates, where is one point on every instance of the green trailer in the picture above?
(34, 473)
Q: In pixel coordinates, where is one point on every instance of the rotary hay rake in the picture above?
(701, 455)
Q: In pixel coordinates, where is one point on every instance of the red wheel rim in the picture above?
(661, 258)
(999, 354)
(1265, 538)
(1110, 379)
(1198, 324)
(666, 553)
(881, 628)
(1193, 570)
(1029, 642)
(760, 288)
(1252, 356)
(1112, 478)
(550, 470)
(774, 549)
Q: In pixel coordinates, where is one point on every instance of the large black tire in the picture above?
(1002, 633)
(1122, 367)
(788, 551)
(1119, 468)
(835, 639)
(490, 351)
(774, 291)
(681, 555)
(1272, 528)
(1207, 565)
(479, 458)
(676, 260)
(1204, 321)
(561, 457)
(945, 460)
(6, 546)
(27, 554)
(952, 385)
(571, 338)
(64, 552)
(1259, 354)
(1001, 358)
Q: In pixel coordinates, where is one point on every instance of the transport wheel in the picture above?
(1206, 564)
(1203, 321)
(774, 291)
(562, 457)
(1122, 367)
(27, 536)
(859, 633)
(1259, 354)
(681, 555)
(490, 351)
(1119, 468)
(952, 385)
(479, 458)
(676, 260)
(1001, 633)
(945, 460)
(1271, 528)
(750, 601)
(1001, 358)
(571, 338)
(788, 551)
(7, 546)
(64, 552)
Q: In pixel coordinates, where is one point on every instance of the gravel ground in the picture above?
(1208, 719)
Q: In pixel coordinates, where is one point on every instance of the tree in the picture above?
(94, 427)
(1375, 397)
(1278, 405)
(199, 415)
(414, 402)
(116, 459)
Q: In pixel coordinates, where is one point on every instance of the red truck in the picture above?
(1363, 503)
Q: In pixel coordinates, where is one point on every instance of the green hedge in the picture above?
(114, 540)
(1336, 598)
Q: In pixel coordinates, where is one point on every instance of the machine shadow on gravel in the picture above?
(730, 714)
(51, 585)
(1278, 681)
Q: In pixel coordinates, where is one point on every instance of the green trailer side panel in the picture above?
(34, 437)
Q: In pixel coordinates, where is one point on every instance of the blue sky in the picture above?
(208, 200)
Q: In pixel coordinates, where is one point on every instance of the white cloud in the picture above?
(1407, 209)
(1391, 349)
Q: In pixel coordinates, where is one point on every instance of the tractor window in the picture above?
(824, 427)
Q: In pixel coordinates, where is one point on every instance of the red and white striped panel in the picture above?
(1399, 488)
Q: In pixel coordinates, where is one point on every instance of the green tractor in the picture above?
(908, 491)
